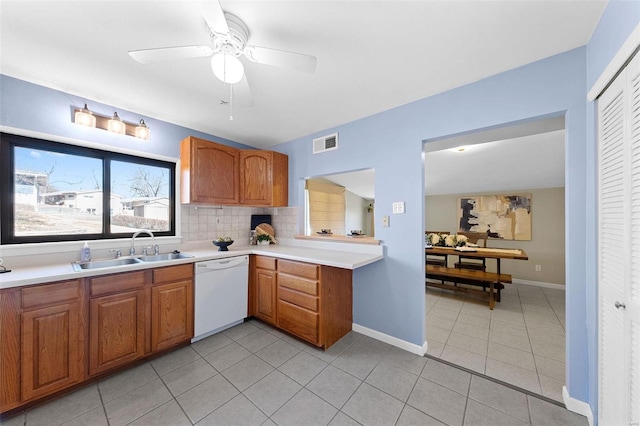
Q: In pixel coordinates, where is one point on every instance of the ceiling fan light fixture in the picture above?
(227, 68)
(116, 125)
(84, 117)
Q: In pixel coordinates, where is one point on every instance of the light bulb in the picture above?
(116, 125)
(227, 68)
(84, 117)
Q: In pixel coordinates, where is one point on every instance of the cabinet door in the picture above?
(266, 295)
(210, 172)
(116, 334)
(264, 178)
(51, 349)
(256, 178)
(171, 314)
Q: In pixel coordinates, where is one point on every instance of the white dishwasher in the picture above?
(222, 290)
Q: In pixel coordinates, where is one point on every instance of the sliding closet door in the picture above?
(619, 249)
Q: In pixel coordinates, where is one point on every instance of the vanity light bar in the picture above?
(113, 124)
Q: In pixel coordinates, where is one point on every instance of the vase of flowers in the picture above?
(445, 240)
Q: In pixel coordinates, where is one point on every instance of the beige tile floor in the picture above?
(252, 374)
(521, 342)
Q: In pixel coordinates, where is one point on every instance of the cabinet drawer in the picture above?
(298, 321)
(266, 263)
(50, 294)
(300, 284)
(304, 270)
(297, 298)
(173, 273)
(116, 283)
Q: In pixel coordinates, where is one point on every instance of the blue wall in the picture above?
(40, 109)
(389, 295)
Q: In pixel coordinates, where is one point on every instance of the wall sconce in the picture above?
(84, 117)
(142, 131)
(114, 124)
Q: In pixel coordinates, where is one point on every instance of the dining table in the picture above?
(479, 253)
(470, 277)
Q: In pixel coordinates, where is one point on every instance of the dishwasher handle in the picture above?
(230, 262)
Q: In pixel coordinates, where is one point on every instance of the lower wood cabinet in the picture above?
(265, 289)
(57, 335)
(299, 321)
(116, 320)
(116, 330)
(312, 302)
(171, 306)
(52, 349)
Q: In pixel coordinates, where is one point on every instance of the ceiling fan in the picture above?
(229, 37)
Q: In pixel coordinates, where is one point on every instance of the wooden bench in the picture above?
(469, 277)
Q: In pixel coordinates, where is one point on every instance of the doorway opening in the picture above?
(522, 340)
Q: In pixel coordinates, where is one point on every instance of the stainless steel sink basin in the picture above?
(165, 256)
(105, 263)
(123, 261)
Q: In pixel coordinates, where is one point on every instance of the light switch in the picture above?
(398, 207)
(385, 221)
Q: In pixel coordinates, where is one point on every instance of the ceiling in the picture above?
(361, 183)
(528, 162)
(372, 55)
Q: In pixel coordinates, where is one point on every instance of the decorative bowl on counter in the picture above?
(222, 245)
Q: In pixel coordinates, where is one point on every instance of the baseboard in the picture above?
(393, 341)
(577, 406)
(539, 284)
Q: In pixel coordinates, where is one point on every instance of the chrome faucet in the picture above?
(132, 250)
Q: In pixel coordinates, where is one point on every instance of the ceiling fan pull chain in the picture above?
(231, 102)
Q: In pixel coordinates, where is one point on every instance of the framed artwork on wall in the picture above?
(499, 216)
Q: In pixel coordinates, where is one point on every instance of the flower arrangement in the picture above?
(445, 240)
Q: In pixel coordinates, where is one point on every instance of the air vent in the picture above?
(325, 143)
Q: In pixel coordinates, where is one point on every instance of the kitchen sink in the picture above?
(105, 263)
(165, 256)
(123, 261)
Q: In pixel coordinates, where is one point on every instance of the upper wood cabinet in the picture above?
(264, 178)
(209, 172)
(213, 173)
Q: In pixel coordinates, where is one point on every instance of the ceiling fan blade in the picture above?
(162, 54)
(214, 15)
(281, 58)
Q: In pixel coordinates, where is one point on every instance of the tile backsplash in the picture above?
(208, 223)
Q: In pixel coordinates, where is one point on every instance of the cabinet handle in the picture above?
(619, 305)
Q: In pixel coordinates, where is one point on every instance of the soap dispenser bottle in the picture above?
(85, 253)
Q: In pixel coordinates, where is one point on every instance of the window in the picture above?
(58, 192)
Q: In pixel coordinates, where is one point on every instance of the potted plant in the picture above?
(264, 239)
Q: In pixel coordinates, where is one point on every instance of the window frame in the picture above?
(9, 141)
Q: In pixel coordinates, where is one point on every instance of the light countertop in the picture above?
(323, 256)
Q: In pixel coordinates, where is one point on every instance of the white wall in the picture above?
(355, 212)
